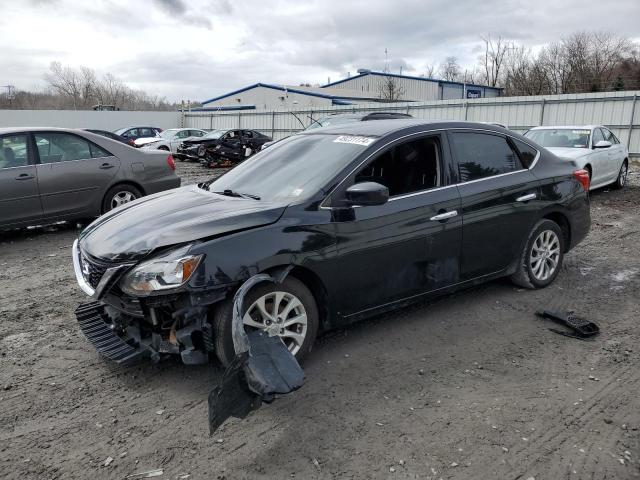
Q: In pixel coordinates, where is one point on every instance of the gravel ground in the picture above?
(470, 386)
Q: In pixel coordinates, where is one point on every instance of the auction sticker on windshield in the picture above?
(355, 140)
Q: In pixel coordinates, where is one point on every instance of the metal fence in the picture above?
(103, 120)
(615, 110)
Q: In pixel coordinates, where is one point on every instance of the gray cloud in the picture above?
(177, 10)
(288, 42)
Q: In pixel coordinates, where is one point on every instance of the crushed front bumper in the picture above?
(99, 331)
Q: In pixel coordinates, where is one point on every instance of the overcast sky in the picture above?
(197, 49)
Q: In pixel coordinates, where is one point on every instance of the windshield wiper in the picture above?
(230, 193)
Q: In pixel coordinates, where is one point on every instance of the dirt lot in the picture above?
(471, 386)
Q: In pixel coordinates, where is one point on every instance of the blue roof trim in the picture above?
(409, 77)
(223, 108)
(275, 87)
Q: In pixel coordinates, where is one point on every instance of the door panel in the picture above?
(71, 181)
(499, 201)
(495, 222)
(397, 250)
(394, 251)
(19, 195)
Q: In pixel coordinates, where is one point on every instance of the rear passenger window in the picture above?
(61, 147)
(527, 153)
(482, 155)
(405, 168)
(97, 152)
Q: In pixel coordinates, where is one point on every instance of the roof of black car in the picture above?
(381, 128)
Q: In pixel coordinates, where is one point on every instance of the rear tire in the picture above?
(542, 256)
(119, 195)
(290, 290)
(621, 181)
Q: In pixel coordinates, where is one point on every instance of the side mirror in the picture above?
(602, 144)
(367, 193)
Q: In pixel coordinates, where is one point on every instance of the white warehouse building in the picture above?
(365, 87)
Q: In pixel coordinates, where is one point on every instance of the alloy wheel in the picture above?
(545, 255)
(622, 176)
(280, 314)
(121, 198)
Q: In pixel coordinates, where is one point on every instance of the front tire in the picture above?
(542, 256)
(621, 181)
(119, 195)
(287, 309)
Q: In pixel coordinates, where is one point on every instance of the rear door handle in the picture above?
(444, 216)
(526, 198)
(25, 176)
(105, 166)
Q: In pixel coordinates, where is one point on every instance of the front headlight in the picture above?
(171, 270)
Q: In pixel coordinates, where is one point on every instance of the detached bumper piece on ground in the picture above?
(579, 327)
(263, 368)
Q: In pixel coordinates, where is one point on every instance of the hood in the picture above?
(146, 140)
(570, 153)
(170, 218)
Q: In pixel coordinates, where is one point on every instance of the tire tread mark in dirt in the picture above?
(556, 436)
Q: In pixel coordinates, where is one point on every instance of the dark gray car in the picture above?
(53, 174)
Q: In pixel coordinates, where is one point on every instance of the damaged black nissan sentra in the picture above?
(354, 220)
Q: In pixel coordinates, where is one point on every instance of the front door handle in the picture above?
(444, 216)
(25, 176)
(105, 166)
(526, 198)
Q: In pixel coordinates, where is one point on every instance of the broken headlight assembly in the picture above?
(164, 272)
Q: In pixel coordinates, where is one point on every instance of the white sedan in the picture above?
(169, 139)
(592, 147)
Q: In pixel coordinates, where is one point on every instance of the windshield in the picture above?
(560, 137)
(294, 168)
(214, 134)
(120, 131)
(331, 120)
(169, 133)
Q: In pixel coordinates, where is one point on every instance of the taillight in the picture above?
(583, 177)
(171, 162)
(132, 143)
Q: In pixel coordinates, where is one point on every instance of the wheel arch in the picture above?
(131, 183)
(314, 283)
(565, 226)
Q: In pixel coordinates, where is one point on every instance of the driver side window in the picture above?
(597, 136)
(407, 167)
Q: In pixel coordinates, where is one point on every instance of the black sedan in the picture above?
(218, 146)
(353, 220)
(112, 136)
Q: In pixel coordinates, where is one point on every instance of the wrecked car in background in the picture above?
(364, 217)
(222, 147)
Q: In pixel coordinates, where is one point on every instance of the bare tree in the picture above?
(491, 62)
(449, 69)
(430, 70)
(389, 88)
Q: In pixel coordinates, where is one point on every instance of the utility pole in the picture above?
(10, 93)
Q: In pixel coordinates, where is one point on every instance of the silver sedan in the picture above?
(53, 174)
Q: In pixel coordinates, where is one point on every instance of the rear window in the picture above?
(482, 155)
